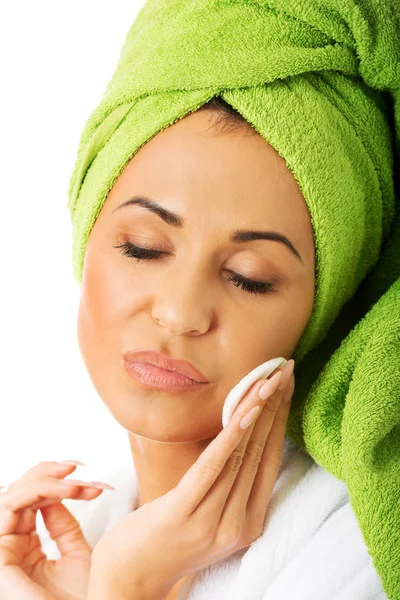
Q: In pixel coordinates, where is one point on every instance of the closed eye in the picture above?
(249, 285)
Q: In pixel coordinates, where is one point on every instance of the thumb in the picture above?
(65, 530)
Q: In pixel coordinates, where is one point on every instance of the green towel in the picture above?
(319, 80)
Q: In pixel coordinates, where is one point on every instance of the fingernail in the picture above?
(250, 417)
(71, 462)
(270, 386)
(77, 482)
(287, 394)
(286, 374)
(102, 486)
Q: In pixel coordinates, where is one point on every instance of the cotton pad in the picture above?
(237, 393)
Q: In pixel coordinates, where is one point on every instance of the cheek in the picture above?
(101, 294)
(87, 330)
(297, 313)
(269, 330)
(108, 301)
(304, 302)
(96, 306)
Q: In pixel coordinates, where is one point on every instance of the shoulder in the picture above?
(312, 542)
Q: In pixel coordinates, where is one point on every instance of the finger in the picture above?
(270, 464)
(65, 530)
(27, 516)
(215, 501)
(15, 584)
(57, 470)
(234, 510)
(199, 478)
(247, 401)
(51, 468)
(28, 493)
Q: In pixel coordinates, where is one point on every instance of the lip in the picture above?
(161, 379)
(165, 363)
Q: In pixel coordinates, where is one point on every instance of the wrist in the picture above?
(106, 583)
(100, 590)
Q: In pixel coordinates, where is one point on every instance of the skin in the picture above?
(183, 303)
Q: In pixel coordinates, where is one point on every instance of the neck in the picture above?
(160, 466)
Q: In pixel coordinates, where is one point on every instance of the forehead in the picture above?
(192, 166)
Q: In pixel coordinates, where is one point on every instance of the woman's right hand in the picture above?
(25, 571)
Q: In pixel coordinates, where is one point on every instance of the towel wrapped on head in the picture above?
(320, 81)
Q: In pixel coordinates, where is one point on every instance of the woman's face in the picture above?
(184, 303)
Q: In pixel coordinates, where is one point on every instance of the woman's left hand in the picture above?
(218, 507)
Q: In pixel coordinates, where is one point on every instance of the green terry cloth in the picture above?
(319, 80)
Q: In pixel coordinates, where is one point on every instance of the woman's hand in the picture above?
(218, 507)
(25, 571)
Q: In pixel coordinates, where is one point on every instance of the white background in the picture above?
(56, 60)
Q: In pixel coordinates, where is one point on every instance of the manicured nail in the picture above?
(286, 374)
(71, 462)
(287, 394)
(250, 417)
(77, 482)
(270, 386)
(102, 486)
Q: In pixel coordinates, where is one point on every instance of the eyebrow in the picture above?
(237, 236)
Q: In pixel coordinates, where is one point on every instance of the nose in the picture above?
(183, 304)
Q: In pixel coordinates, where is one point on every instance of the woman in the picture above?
(307, 142)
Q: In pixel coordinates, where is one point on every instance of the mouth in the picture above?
(166, 363)
(156, 377)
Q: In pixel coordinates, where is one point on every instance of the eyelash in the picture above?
(249, 285)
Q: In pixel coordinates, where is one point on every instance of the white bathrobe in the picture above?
(311, 547)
